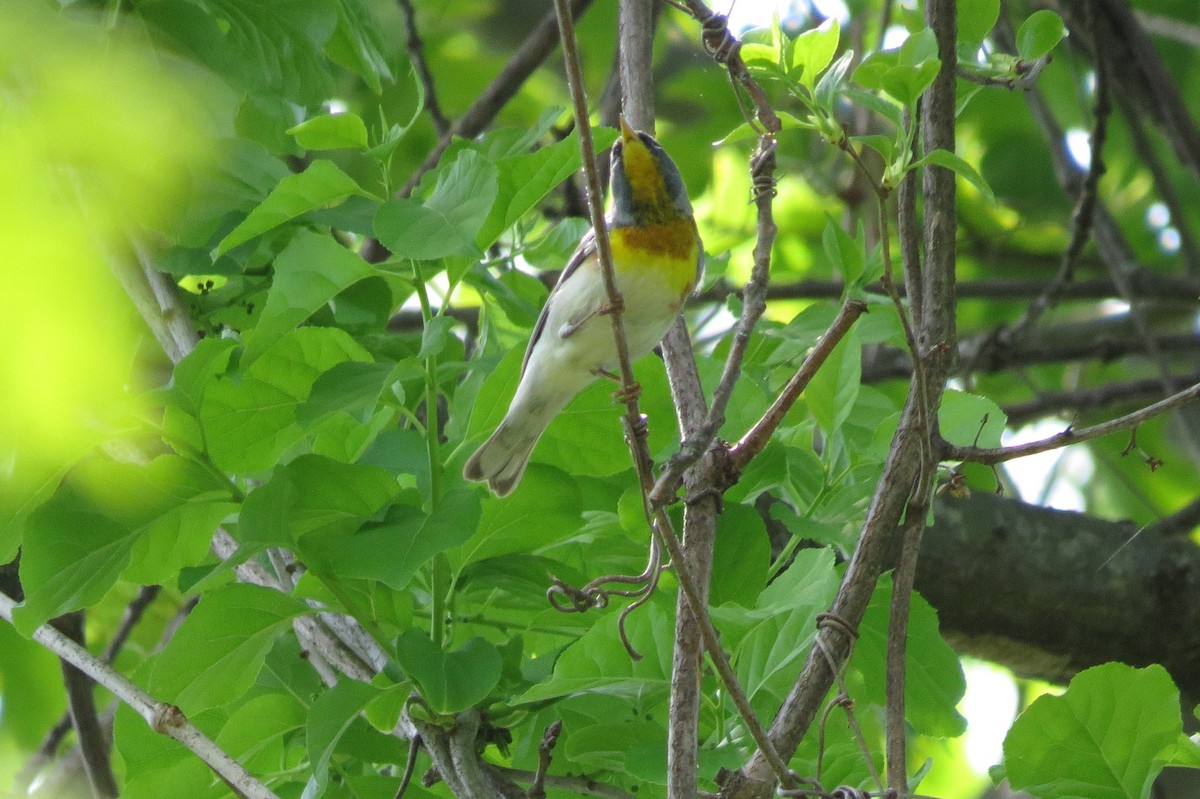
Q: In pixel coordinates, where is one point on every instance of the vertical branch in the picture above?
(637, 94)
(81, 704)
(904, 486)
(936, 337)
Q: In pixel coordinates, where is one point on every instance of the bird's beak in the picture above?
(628, 134)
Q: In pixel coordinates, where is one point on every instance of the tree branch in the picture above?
(81, 705)
(989, 456)
(756, 438)
(416, 56)
(162, 717)
(1065, 591)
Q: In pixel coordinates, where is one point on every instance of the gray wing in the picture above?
(585, 250)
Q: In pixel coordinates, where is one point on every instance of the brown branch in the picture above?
(81, 705)
(537, 788)
(1140, 76)
(416, 56)
(585, 786)
(698, 435)
(756, 438)
(1148, 155)
(1092, 398)
(1179, 523)
(1130, 421)
(1081, 217)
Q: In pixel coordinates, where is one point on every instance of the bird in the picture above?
(658, 260)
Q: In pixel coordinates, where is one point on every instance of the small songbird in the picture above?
(658, 260)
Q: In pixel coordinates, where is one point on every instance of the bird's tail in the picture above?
(502, 459)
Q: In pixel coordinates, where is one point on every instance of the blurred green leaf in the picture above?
(331, 132)
(1039, 34)
(450, 220)
(976, 18)
(960, 167)
(813, 51)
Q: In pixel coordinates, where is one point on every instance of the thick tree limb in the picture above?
(1065, 591)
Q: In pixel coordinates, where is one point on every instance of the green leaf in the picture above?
(844, 251)
(814, 49)
(918, 48)
(934, 682)
(1101, 739)
(262, 725)
(320, 186)
(832, 83)
(331, 132)
(328, 719)
(354, 388)
(598, 663)
(968, 420)
(1039, 34)
(310, 272)
(249, 424)
(546, 507)
(833, 389)
(72, 556)
(450, 681)
(81, 541)
(771, 639)
(524, 180)
(313, 495)
(976, 18)
(869, 74)
(356, 44)
(437, 334)
(391, 551)
(907, 83)
(950, 161)
(155, 765)
(744, 548)
(450, 220)
(272, 47)
(218, 651)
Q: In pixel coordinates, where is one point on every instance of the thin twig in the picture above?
(537, 788)
(1092, 398)
(416, 56)
(535, 49)
(756, 438)
(1130, 421)
(1081, 217)
(162, 717)
(629, 388)
(579, 785)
